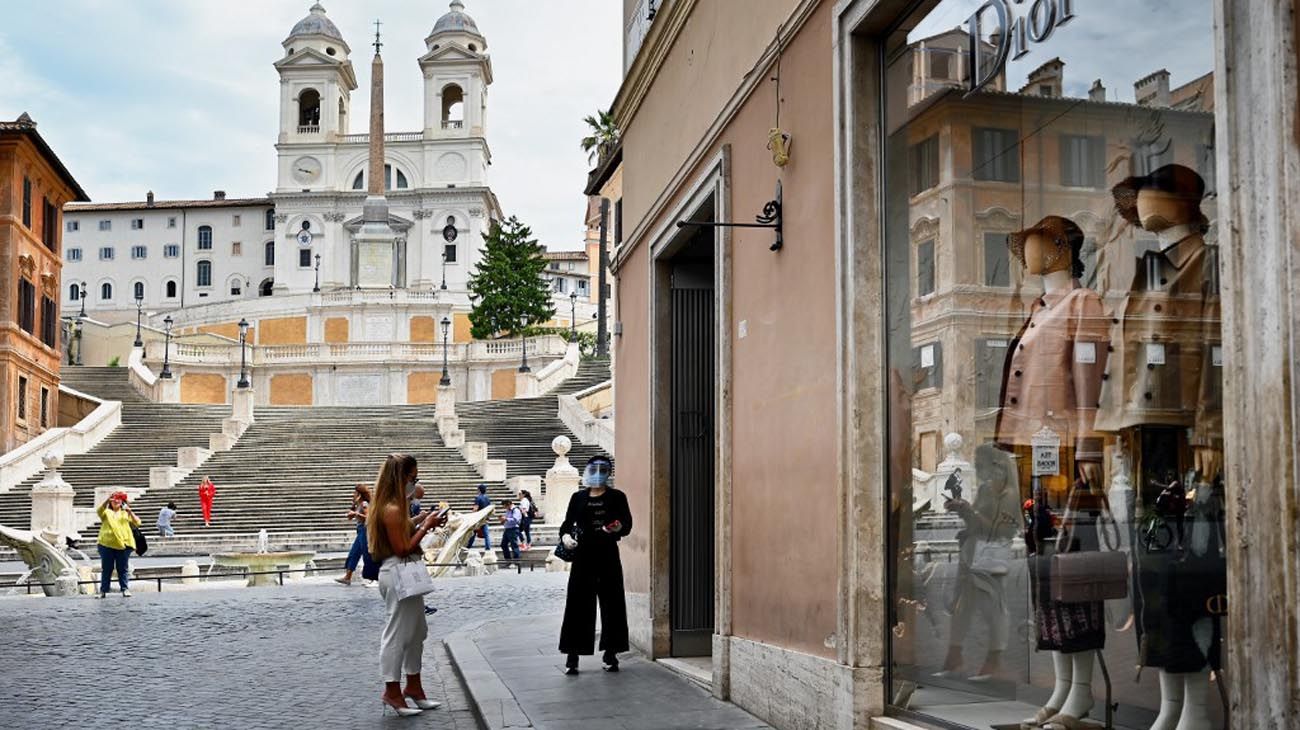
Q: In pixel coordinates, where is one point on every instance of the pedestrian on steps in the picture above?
(394, 539)
(116, 541)
(510, 520)
(597, 518)
(165, 516)
(528, 508)
(482, 501)
(207, 491)
(357, 513)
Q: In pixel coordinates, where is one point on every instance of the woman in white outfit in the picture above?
(393, 538)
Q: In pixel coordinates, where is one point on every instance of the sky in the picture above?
(180, 96)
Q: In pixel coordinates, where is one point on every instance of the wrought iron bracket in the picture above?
(769, 218)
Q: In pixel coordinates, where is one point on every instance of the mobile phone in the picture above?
(443, 512)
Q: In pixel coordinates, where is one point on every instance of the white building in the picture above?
(568, 272)
(186, 253)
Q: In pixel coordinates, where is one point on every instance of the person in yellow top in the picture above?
(116, 541)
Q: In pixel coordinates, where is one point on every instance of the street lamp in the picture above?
(167, 346)
(573, 317)
(316, 288)
(444, 271)
(446, 378)
(139, 309)
(243, 371)
(82, 296)
(78, 339)
(523, 366)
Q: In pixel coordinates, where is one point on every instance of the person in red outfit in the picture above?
(207, 490)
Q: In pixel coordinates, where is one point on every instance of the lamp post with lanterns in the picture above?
(573, 317)
(316, 287)
(523, 366)
(139, 310)
(449, 234)
(446, 377)
(82, 296)
(243, 371)
(166, 371)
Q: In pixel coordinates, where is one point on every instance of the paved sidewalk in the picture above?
(513, 673)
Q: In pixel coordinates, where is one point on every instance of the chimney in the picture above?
(218, 194)
(148, 199)
(1153, 90)
(1097, 92)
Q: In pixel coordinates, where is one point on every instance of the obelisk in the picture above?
(375, 245)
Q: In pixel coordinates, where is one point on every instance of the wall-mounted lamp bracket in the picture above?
(769, 218)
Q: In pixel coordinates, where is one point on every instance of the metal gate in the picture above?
(691, 461)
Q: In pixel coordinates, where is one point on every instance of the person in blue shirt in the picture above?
(511, 517)
(482, 501)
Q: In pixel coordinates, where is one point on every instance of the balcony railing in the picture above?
(390, 137)
(308, 129)
(453, 124)
(318, 353)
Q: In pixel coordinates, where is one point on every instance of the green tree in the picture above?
(507, 287)
(604, 135)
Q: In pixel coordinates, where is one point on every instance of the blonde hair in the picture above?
(390, 489)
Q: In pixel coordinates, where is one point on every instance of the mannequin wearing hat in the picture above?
(1164, 396)
(1051, 380)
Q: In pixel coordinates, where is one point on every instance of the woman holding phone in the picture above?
(116, 541)
(393, 538)
(597, 518)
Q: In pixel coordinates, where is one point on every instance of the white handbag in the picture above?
(411, 578)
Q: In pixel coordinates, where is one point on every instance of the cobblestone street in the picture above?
(299, 656)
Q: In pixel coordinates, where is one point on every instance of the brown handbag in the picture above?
(1093, 575)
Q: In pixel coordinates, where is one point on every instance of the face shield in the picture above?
(597, 474)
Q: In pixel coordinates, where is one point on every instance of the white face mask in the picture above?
(596, 474)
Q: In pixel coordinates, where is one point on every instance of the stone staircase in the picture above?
(591, 372)
(520, 431)
(149, 436)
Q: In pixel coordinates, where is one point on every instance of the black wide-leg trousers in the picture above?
(595, 578)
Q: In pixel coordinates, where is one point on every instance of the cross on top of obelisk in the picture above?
(377, 43)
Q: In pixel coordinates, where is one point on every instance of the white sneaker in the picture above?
(126, 593)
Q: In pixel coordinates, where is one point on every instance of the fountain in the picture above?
(262, 560)
(53, 568)
(42, 547)
(445, 543)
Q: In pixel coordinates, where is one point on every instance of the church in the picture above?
(347, 279)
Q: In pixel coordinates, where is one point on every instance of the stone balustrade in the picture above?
(20, 463)
(315, 353)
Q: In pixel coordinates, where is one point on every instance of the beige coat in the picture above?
(1054, 372)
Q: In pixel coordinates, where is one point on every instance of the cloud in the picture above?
(181, 97)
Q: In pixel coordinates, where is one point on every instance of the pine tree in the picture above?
(509, 292)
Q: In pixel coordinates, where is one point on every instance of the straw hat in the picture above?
(1178, 180)
(1064, 232)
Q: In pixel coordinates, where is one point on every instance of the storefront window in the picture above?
(1055, 364)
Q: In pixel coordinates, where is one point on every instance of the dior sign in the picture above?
(1010, 33)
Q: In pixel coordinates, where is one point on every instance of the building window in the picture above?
(264, 289)
(171, 289)
(927, 372)
(50, 225)
(171, 222)
(925, 268)
(304, 258)
(618, 221)
(203, 273)
(106, 225)
(924, 164)
(1083, 161)
(27, 203)
(74, 226)
(74, 292)
(236, 288)
(234, 220)
(137, 224)
(237, 248)
(106, 292)
(558, 285)
(449, 253)
(997, 260)
(27, 306)
(22, 398)
(996, 154)
(359, 182)
(582, 287)
(172, 251)
(268, 253)
(270, 219)
(205, 238)
(137, 290)
(139, 252)
(45, 407)
(49, 323)
(1151, 156)
(106, 253)
(72, 254)
(990, 360)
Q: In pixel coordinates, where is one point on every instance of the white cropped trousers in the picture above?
(401, 645)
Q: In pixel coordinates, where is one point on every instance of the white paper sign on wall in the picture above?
(1047, 452)
(1155, 353)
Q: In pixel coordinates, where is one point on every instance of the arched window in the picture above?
(309, 109)
(269, 255)
(264, 289)
(171, 289)
(74, 293)
(105, 292)
(453, 107)
(359, 182)
(137, 291)
(343, 117)
(205, 238)
(203, 275)
(270, 219)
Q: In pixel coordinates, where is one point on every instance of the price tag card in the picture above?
(1085, 352)
(1155, 353)
(1216, 356)
(927, 356)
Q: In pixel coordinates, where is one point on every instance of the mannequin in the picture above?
(1164, 395)
(1052, 380)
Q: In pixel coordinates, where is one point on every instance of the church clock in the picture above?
(306, 169)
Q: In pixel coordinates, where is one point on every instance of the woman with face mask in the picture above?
(597, 517)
